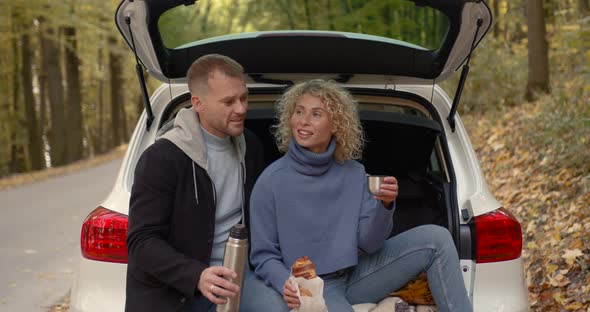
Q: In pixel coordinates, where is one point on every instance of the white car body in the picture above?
(499, 286)
(493, 284)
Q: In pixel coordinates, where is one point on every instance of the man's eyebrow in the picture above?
(231, 97)
(228, 98)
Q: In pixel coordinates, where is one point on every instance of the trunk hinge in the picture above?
(141, 78)
(462, 79)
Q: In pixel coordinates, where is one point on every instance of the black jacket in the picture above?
(170, 235)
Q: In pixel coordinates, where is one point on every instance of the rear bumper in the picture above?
(99, 286)
(500, 286)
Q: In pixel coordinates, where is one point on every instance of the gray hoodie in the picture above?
(188, 135)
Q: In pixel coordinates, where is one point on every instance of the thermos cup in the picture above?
(236, 254)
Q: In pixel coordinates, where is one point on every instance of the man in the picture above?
(191, 186)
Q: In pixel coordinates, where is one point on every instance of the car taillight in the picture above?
(103, 236)
(499, 237)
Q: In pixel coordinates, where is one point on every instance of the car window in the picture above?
(393, 19)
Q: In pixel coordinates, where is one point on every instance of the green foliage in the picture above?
(398, 19)
(559, 122)
(497, 77)
(562, 126)
(563, 123)
(498, 68)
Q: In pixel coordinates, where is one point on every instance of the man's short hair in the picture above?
(201, 70)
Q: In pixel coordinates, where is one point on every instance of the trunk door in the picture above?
(395, 41)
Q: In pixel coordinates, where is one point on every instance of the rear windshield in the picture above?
(394, 19)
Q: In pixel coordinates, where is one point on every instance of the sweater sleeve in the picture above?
(151, 204)
(375, 222)
(265, 254)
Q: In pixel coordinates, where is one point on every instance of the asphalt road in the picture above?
(40, 233)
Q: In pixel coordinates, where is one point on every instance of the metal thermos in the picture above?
(236, 254)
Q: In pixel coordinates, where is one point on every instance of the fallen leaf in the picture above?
(570, 255)
(574, 306)
(559, 298)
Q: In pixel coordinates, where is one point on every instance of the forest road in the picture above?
(40, 235)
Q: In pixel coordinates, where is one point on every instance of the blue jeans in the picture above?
(427, 248)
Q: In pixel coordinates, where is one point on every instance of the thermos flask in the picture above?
(235, 256)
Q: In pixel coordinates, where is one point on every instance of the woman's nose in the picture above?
(305, 119)
(302, 121)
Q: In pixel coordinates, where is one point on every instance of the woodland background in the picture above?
(69, 92)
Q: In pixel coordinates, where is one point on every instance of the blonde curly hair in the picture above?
(342, 109)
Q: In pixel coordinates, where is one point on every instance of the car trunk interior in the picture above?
(396, 145)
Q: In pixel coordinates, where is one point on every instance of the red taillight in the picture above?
(499, 237)
(103, 236)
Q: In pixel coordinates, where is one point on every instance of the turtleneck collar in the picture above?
(309, 163)
(215, 142)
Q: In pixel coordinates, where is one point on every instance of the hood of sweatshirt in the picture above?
(187, 135)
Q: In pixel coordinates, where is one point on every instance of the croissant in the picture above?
(303, 267)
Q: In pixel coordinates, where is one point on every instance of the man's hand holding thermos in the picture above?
(222, 284)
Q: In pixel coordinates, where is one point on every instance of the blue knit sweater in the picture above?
(307, 204)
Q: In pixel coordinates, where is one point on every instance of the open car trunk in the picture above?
(402, 140)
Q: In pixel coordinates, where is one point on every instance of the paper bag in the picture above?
(313, 303)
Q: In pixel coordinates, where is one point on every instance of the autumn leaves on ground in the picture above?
(536, 161)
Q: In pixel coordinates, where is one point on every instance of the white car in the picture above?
(411, 125)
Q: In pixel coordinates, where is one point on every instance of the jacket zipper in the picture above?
(243, 176)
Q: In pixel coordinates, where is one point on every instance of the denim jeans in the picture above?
(427, 248)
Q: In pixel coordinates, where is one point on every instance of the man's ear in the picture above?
(197, 103)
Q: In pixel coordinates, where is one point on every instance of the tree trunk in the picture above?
(101, 114)
(496, 10)
(57, 134)
(583, 7)
(116, 94)
(17, 164)
(387, 19)
(331, 25)
(308, 15)
(42, 75)
(124, 128)
(205, 19)
(285, 6)
(232, 11)
(345, 7)
(33, 136)
(74, 99)
(505, 33)
(538, 80)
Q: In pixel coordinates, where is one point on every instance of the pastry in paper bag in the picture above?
(310, 288)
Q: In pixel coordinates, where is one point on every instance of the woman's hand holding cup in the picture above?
(384, 188)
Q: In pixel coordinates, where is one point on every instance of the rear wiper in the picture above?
(462, 79)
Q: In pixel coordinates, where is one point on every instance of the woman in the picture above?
(315, 202)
